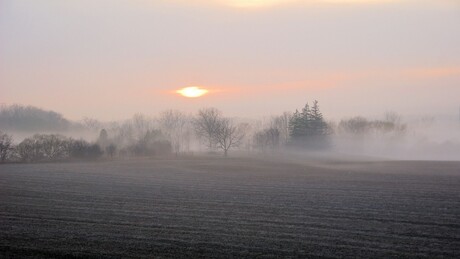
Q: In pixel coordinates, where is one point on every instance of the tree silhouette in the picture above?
(207, 124)
(228, 135)
(6, 146)
(308, 128)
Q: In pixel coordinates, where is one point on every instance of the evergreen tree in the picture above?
(308, 128)
(103, 140)
(305, 121)
(295, 125)
(318, 124)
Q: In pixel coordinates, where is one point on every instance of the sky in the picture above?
(109, 59)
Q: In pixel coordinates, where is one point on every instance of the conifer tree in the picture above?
(295, 125)
(305, 121)
(317, 122)
(308, 128)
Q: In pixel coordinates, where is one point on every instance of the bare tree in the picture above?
(281, 123)
(207, 125)
(6, 142)
(29, 150)
(91, 124)
(141, 125)
(228, 135)
(267, 139)
(52, 146)
(43, 147)
(396, 124)
(124, 134)
(173, 124)
(393, 117)
(357, 126)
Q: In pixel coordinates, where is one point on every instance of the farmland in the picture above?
(234, 207)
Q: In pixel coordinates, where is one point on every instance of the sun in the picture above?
(192, 91)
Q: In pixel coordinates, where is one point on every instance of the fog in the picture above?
(96, 64)
(229, 128)
(210, 131)
(433, 139)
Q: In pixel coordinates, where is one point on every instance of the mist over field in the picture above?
(389, 137)
(229, 129)
(203, 185)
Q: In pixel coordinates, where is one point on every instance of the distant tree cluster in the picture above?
(46, 148)
(174, 132)
(273, 136)
(391, 126)
(6, 147)
(176, 129)
(83, 150)
(153, 143)
(28, 118)
(55, 147)
(267, 139)
(217, 131)
(281, 124)
(171, 133)
(135, 137)
(308, 129)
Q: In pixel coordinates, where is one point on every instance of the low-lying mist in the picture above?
(29, 134)
(420, 139)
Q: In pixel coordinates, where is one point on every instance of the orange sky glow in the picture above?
(111, 59)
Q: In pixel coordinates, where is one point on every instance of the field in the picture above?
(235, 207)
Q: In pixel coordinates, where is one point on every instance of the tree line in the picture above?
(174, 133)
(47, 147)
(28, 118)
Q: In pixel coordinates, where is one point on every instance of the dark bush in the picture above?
(81, 149)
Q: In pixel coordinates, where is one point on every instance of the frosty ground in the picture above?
(230, 207)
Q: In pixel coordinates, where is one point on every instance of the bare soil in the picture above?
(235, 207)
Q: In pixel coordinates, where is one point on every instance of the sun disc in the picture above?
(192, 91)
